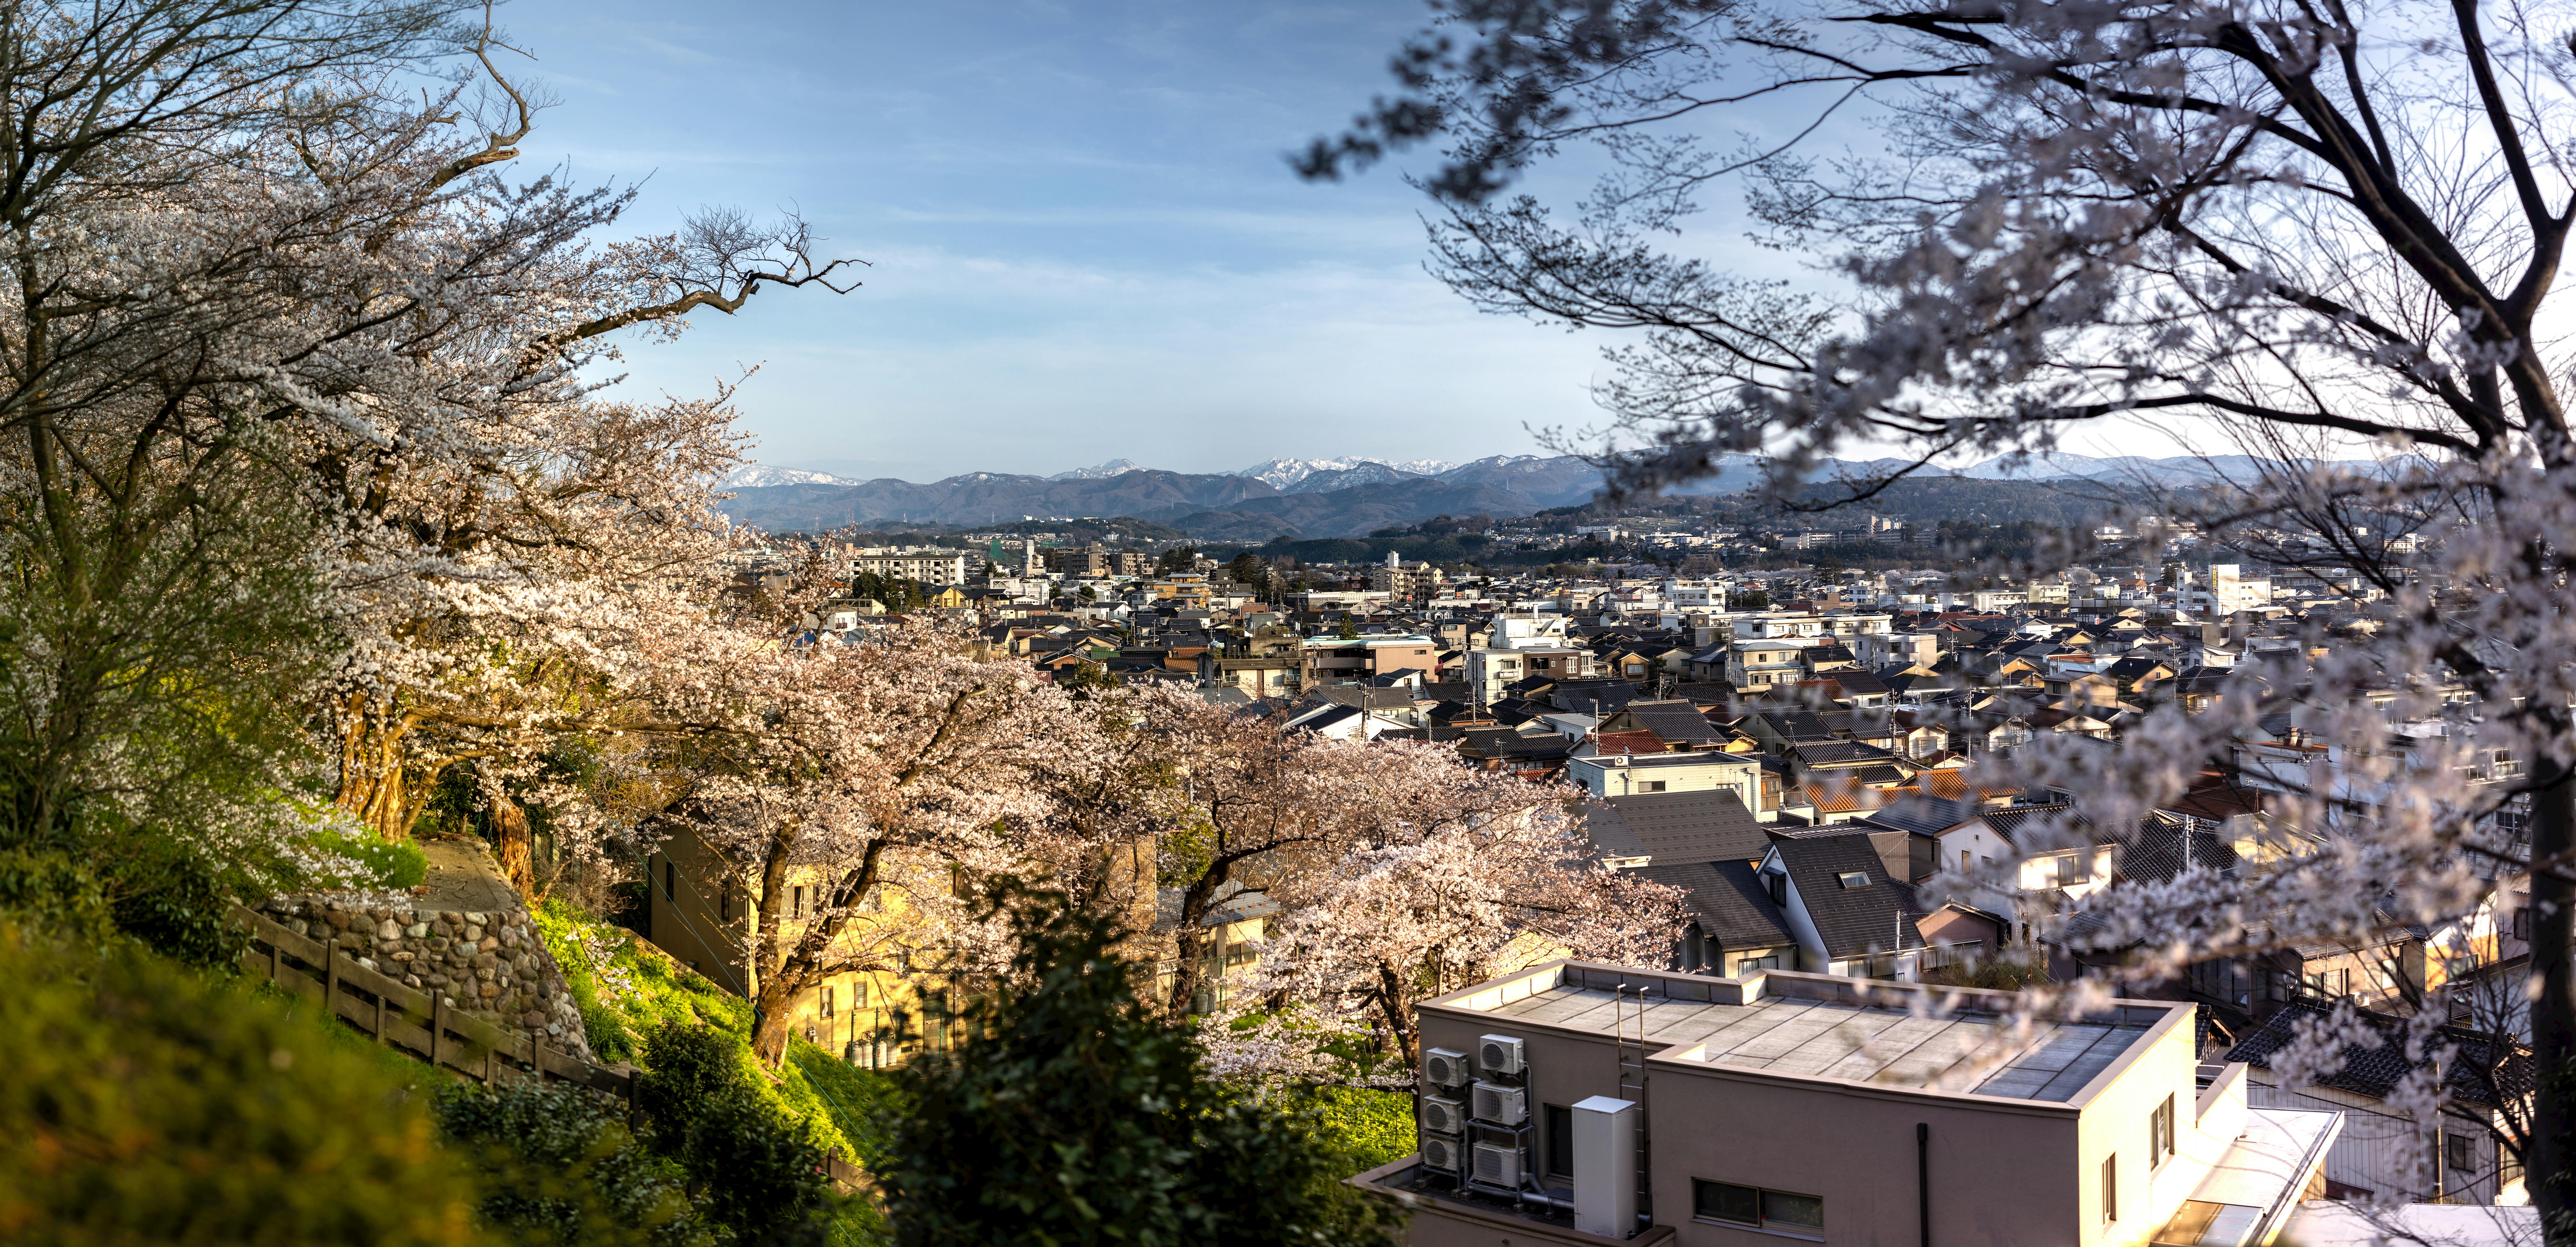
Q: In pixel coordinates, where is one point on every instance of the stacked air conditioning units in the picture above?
(1461, 1101)
(1444, 1115)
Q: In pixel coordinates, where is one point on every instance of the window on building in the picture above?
(827, 1002)
(2460, 1152)
(670, 880)
(1560, 1141)
(1778, 885)
(2111, 1187)
(2160, 1133)
(1963, 861)
(1654, 785)
(2522, 924)
(2071, 870)
(1754, 1206)
(1854, 878)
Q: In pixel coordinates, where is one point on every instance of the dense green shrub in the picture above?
(758, 1171)
(560, 1169)
(50, 892)
(1071, 1114)
(170, 897)
(148, 890)
(1368, 1128)
(144, 1103)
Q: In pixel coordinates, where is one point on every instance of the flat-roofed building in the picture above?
(1579, 1103)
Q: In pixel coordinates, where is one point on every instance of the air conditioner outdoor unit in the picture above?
(1440, 1151)
(1441, 1116)
(1498, 1165)
(1501, 1105)
(1444, 1068)
(1498, 1054)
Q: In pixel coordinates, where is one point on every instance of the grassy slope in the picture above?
(655, 990)
(843, 1107)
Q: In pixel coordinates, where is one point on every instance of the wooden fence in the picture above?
(420, 1024)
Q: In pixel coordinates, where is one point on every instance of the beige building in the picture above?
(1576, 1103)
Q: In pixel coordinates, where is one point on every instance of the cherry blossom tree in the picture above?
(297, 412)
(1446, 876)
(889, 772)
(2324, 232)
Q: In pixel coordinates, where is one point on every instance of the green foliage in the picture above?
(642, 989)
(154, 892)
(395, 867)
(1350, 631)
(52, 893)
(1071, 1114)
(148, 1104)
(1366, 1128)
(559, 1167)
(863, 1103)
(758, 1170)
(637, 989)
(175, 900)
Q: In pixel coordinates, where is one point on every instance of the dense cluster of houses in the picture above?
(1801, 755)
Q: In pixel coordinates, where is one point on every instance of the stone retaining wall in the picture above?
(488, 963)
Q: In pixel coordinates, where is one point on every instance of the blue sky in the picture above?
(1085, 243)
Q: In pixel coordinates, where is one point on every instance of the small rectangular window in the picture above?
(1560, 1141)
(827, 1002)
(1756, 1207)
(2461, 1152)
(2160, 1133)
(2111, 1187)
(1725, 1201)
(1651, 786)
(1854, 878)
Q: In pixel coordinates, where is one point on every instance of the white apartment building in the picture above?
(1626, 775)
(929, 566)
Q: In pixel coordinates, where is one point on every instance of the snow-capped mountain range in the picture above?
(1551, 474)
(1341, 472)
(1100, 472)
(755, 475)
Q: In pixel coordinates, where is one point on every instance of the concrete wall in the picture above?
(2000, 1171)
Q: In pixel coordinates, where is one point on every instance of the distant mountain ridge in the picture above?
(1320, 497)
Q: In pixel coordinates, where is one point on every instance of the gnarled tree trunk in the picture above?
(373, 786)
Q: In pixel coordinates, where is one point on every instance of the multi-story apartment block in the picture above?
(930, 567)
(1583, 1104)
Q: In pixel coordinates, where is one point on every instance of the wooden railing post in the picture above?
(437, 1023)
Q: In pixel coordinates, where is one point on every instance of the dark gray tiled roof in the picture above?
(1923, 813)
(1681, 826)
(1675, 722)
(1727, 901)
(2374, 1072)
(1839, 753)
(2011, 821)
(1876, 916)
